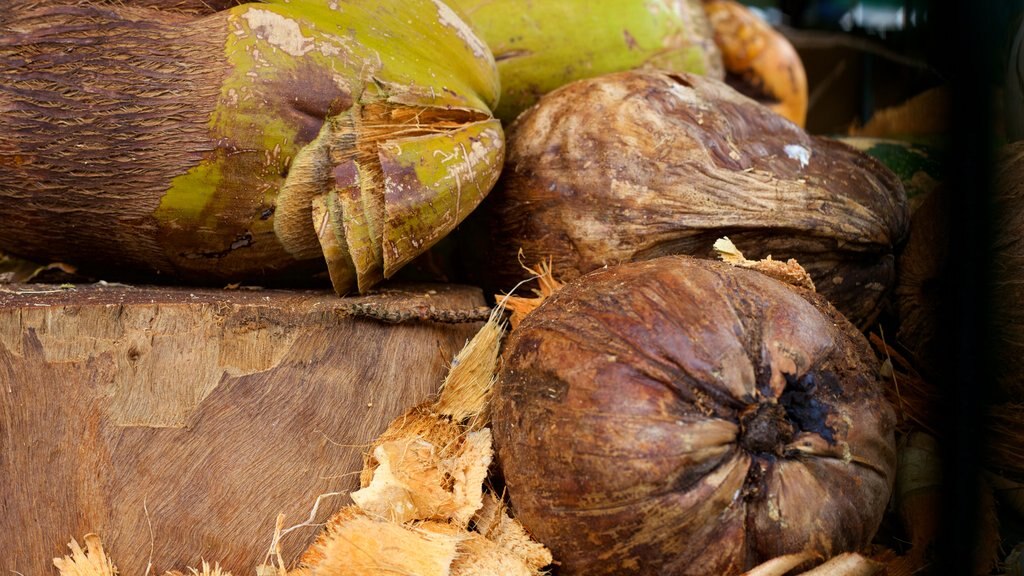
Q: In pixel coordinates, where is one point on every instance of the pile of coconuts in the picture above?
(663, 413)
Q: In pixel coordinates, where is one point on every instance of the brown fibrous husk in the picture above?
(520, 306)
(641, 423)
(914, 397)
(423, 487)
(635, 165)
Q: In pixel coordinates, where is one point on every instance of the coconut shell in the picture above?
(640, 164)
(160, 144)
(683, 416)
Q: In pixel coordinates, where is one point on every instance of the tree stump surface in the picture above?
(177, 423)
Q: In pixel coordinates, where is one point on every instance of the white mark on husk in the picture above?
(797, 152)
(449, 18)
(279, 31)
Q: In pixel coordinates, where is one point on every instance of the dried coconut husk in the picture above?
(355, 543)
(520, 306)
(93, 561)
(646, 418)
(790, 271)
(636, 165)
(495, 523)
(915, 399)
(416, 479)
(423, 488)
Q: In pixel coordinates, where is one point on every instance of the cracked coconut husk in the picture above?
(422, 508)
(422, 484)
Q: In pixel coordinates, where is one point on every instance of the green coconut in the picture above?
(261, 143)
(540, 45)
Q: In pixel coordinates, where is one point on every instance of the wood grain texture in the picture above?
(179, 422)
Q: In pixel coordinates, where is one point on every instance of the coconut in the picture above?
(543, 44)
(684, 416)
(640, 164)
(261, 143)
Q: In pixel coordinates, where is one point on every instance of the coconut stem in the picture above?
(765, 430)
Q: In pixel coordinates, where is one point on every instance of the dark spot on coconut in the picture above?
(765, 429)
(802, 406)
(630, 41)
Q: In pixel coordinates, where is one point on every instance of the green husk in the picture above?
(221, 130)
(540, 45)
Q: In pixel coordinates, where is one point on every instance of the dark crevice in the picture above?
(750, 88)
(511, 54)
(803, 409)
(679, 79)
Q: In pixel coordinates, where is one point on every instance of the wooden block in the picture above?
(178, 423)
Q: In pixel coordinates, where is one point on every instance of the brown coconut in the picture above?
(641, 164)
(682, 416)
